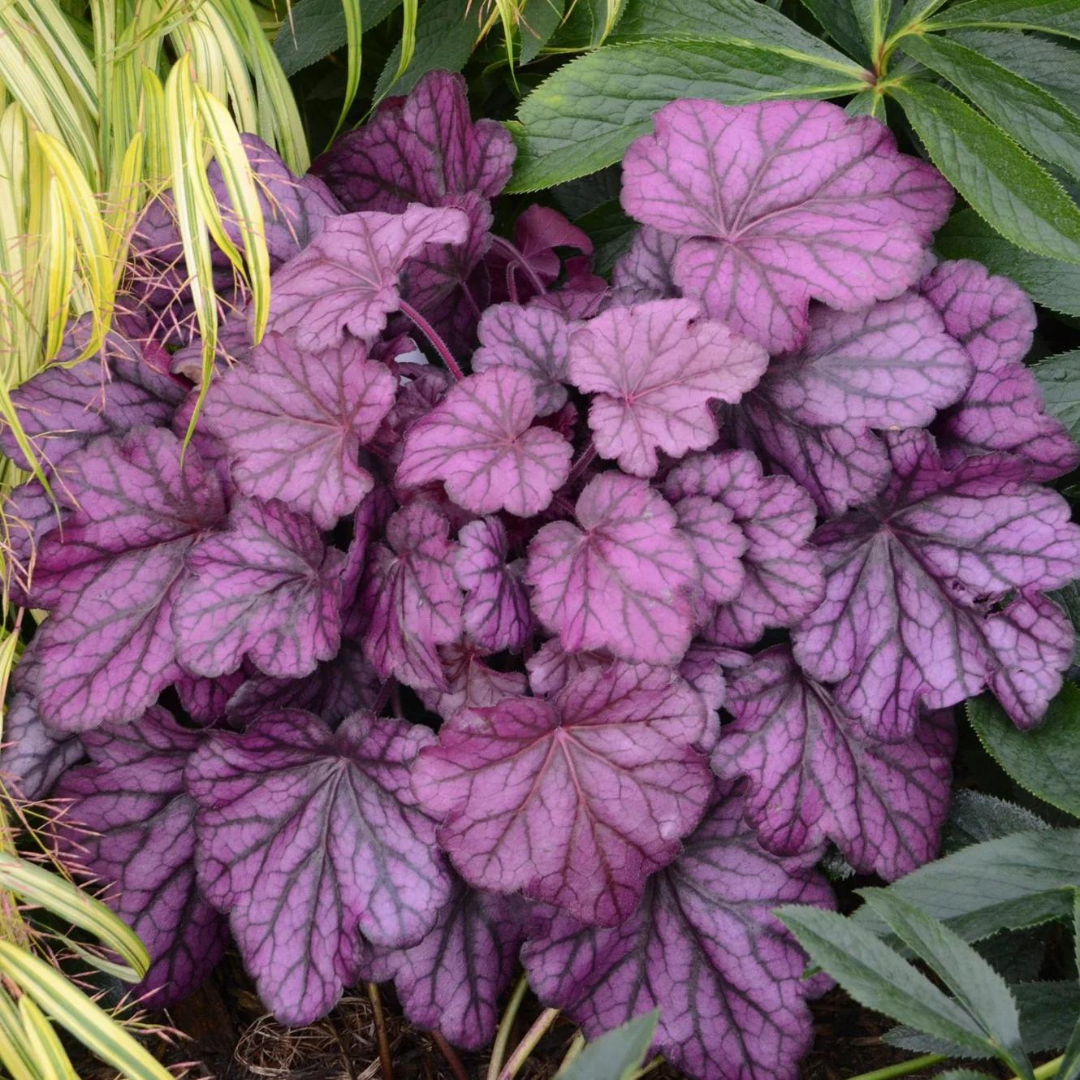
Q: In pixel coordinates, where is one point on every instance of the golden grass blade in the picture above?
(185, 140)
(48, 1052)
(15, 1055)
(67, 901)
(69, 55)
(73, 1010)
(157, 164)
(60, 271)
(123, 210)
(89, 231)
(229, 151)
(28, 72)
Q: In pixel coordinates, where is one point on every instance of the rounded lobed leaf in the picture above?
(132, 824)
(574, 801)
(703, 948)
(914, 583)
(265, 588)
(309, 838)
(496, 610)
(293, 423)
(622, 580)
(480, 441)
(783, 202)
(654, 368)
(346, 279)
(815, 775)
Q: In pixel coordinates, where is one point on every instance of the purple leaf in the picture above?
(417, 396)
(112, 577)
(654, 368)
(33, 757)
(719, 546)
(294, 421)
(704, 949)
(814, 775)
(61, 409)
(705, 668)
(574, 800)
(423, 148)
(534, 339)
(266, 588)
(337, 688)
(645, 271)
(471, 684)
(294, 211)
(141, 837)
(481, 442)
(550, 668)
(782, 578)
(413, 601)
(347, 277)
(30, 515)
(309, 838)
(915, 586)
(780, 203)
(621, 581)
(496, 610)
(889, 366)
(206, 700)
(838, 467)
(452, 979)
(1003, 409)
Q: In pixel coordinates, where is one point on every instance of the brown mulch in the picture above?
(228, 1036)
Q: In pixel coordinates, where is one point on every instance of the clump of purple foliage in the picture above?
(413, 665)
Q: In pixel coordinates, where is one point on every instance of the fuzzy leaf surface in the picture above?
(496, 610)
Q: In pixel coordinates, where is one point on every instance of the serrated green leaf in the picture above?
(611, 231)
(1015, 194)
(873, 18)
(975, 817)
(317, 28)
(1046, 761)
(1050, 282)
(1070, 1065)
(1018, 106)
(975, 985)
(616, 1055)
(879, 978)
(1049, 16)
(837, 20)
(445, 36)
(1059, 377)
(539, 23)
(1020, 880)
(744, 22)
(963, 1074)
(1053, 66)
(589, 111)
(868, 103)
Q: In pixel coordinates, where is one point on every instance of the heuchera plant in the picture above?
(495, 613)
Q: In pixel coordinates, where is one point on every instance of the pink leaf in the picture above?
(293, 423)
(576, 800)
(496, 611)
(781, 203)
(481, 442)
(622, 580)
(654, 368)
